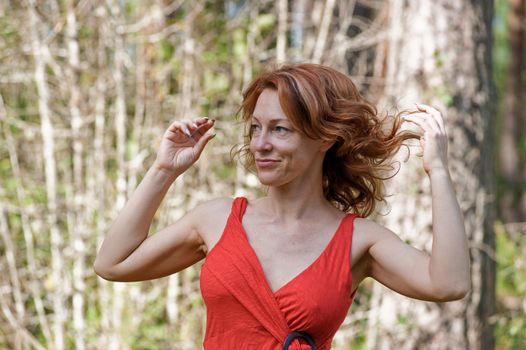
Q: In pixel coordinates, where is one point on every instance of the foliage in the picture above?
(511, 288)
(511, 244)
(184, 59)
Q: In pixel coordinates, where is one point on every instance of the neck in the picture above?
(297, 200)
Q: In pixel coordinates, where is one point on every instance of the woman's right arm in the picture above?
(127, 253)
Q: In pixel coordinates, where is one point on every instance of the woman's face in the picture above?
(282, 153)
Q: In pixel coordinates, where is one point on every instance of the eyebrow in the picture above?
(271, 120)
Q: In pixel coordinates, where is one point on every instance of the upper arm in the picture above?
(171, 249)
(398, 265)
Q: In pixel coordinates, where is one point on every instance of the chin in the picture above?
(267, 180)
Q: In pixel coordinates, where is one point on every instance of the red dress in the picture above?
(242, 311)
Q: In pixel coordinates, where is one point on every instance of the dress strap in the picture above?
(239, 205)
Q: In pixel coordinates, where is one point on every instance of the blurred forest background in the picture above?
(88, 87)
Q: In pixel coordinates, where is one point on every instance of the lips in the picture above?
(266, 163)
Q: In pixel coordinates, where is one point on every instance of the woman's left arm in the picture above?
(449, 264)
(449, 261)
(445, 274)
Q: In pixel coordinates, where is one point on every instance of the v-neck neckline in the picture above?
(299, 274)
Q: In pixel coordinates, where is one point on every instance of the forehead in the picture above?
(268, 107)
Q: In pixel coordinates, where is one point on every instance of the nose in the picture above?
(261, 142)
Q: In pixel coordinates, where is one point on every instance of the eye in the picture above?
(280, 130)
(254, 128)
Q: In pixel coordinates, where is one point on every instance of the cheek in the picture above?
(254, 148)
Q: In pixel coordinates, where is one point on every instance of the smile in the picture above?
(266, 163)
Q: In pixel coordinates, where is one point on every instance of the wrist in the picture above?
(163, 173)
(438, 172)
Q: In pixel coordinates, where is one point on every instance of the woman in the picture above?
(281, 271)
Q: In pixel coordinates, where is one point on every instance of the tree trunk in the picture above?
(439, 53)
(60, 285)
(119, 289)
(76, 208)
(281, 45)
(510, 162)
(323, 31)
(296, 29)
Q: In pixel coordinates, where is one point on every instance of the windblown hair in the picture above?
(325, 104)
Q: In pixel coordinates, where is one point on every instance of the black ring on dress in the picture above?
(294, 335)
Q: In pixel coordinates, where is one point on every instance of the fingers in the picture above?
(191, 128)
(180, 127)
(428, 119)
(201, 143)
(437, 116)
(201, 126)
(423, 121)
(200, 133)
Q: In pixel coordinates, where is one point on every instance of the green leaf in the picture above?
(266, 21)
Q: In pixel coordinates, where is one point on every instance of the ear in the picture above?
(326, 145)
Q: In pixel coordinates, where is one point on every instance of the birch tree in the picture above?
(86, 90)
(439, 52)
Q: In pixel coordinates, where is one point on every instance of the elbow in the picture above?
(455, 295)
(99, 271)
(462, 289)
(465, 290)
(103, 272)
(454, 292)
(111, 273)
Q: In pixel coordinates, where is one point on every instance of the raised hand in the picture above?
(434, 138)
(182, 144)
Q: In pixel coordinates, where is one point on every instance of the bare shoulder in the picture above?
(212, 205)
(206, 214)
(371, 230)
(210, 218)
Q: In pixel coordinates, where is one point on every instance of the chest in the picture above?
(272, 257)
(285, 252)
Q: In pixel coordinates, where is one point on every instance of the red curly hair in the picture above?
(325, 104)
